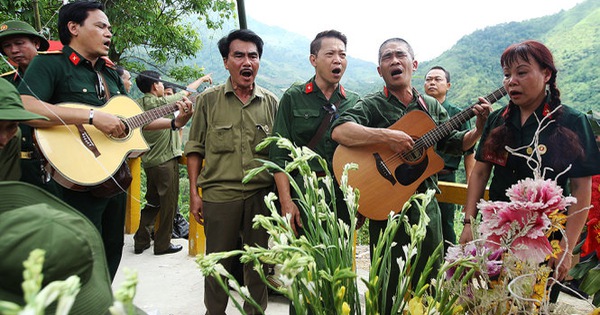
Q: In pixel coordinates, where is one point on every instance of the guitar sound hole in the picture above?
(407, 174)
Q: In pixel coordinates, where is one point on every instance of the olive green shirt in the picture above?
(382, 109)
(225, 133)
(10, 159)
(68, 77)
(301, 111)
(164, 143)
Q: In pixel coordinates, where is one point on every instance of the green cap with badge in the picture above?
(13, 28)
(11, 106)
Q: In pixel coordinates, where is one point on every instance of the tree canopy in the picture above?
(160, 31)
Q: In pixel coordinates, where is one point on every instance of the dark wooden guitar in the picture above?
(387, 179)
(81, 156)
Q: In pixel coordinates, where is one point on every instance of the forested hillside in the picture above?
(573, 36)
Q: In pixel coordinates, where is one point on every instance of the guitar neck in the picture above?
(150, 115)
(436, 134)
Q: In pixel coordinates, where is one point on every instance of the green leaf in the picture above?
(591, 282)
(582, 268)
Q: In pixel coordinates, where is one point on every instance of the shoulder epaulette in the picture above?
(50, 52)
(6, 74)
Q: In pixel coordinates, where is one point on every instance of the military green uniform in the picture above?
(302, 108)
(161, 165)
(31, 166)
(508, 169)
(381, 110)
(225, 133)
(11, 110)
(9, 159)
(69, 77)
(448, 174)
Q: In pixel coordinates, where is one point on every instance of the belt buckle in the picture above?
(26, 155)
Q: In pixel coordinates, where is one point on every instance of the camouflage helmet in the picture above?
(10, 28)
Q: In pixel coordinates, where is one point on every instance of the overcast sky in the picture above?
(431, 27)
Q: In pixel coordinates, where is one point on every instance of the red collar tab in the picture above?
(342, 91)
(386, 92)
(74, 58)
(546, 110)
(309, 88)
(109, 63)
(505, 112)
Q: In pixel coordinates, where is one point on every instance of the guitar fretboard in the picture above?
(150, 115)
(436, 134)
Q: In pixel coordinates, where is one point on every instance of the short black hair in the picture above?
(120, 70)
(399, 40)
(170, 86)
(315, 45)
(77, 12)
(446, 73)
(146, 79)
(243, 35)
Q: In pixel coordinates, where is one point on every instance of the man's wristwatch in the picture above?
(173, 127)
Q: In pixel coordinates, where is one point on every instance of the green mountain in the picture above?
(474, 61)
(573, 36)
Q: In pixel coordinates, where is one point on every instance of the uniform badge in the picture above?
(308, 88)
(74, 58)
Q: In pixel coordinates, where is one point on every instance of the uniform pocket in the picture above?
(306, 122)
(221, 138)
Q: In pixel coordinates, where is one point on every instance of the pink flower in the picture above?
(521, 223)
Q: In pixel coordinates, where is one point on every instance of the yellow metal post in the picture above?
(132, 216)
(196, 238)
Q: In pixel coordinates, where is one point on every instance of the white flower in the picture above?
(221, 270)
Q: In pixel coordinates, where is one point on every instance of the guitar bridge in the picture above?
(383, 169)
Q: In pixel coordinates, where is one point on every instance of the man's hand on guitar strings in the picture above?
(186, 110)
(482, 111)
(109, 124)
(399, 141)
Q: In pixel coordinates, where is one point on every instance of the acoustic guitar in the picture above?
(81, 155)
(387, 179)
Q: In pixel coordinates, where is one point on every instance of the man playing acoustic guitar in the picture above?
(367, 124)
(82, 74)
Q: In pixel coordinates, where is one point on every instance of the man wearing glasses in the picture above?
(305, 114)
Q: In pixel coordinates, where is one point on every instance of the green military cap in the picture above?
(31, 218)
(11, 106)
(594, 119)
(10, 28)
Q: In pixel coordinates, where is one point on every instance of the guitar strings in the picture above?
(440, 130)
(75, 136)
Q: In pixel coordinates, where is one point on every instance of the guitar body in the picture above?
(71, 163)
(385, 179)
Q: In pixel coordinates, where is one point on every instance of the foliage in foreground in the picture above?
(64, 292)
(497, 273)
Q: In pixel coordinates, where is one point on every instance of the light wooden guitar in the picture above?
(387, 179)
(81, 155)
